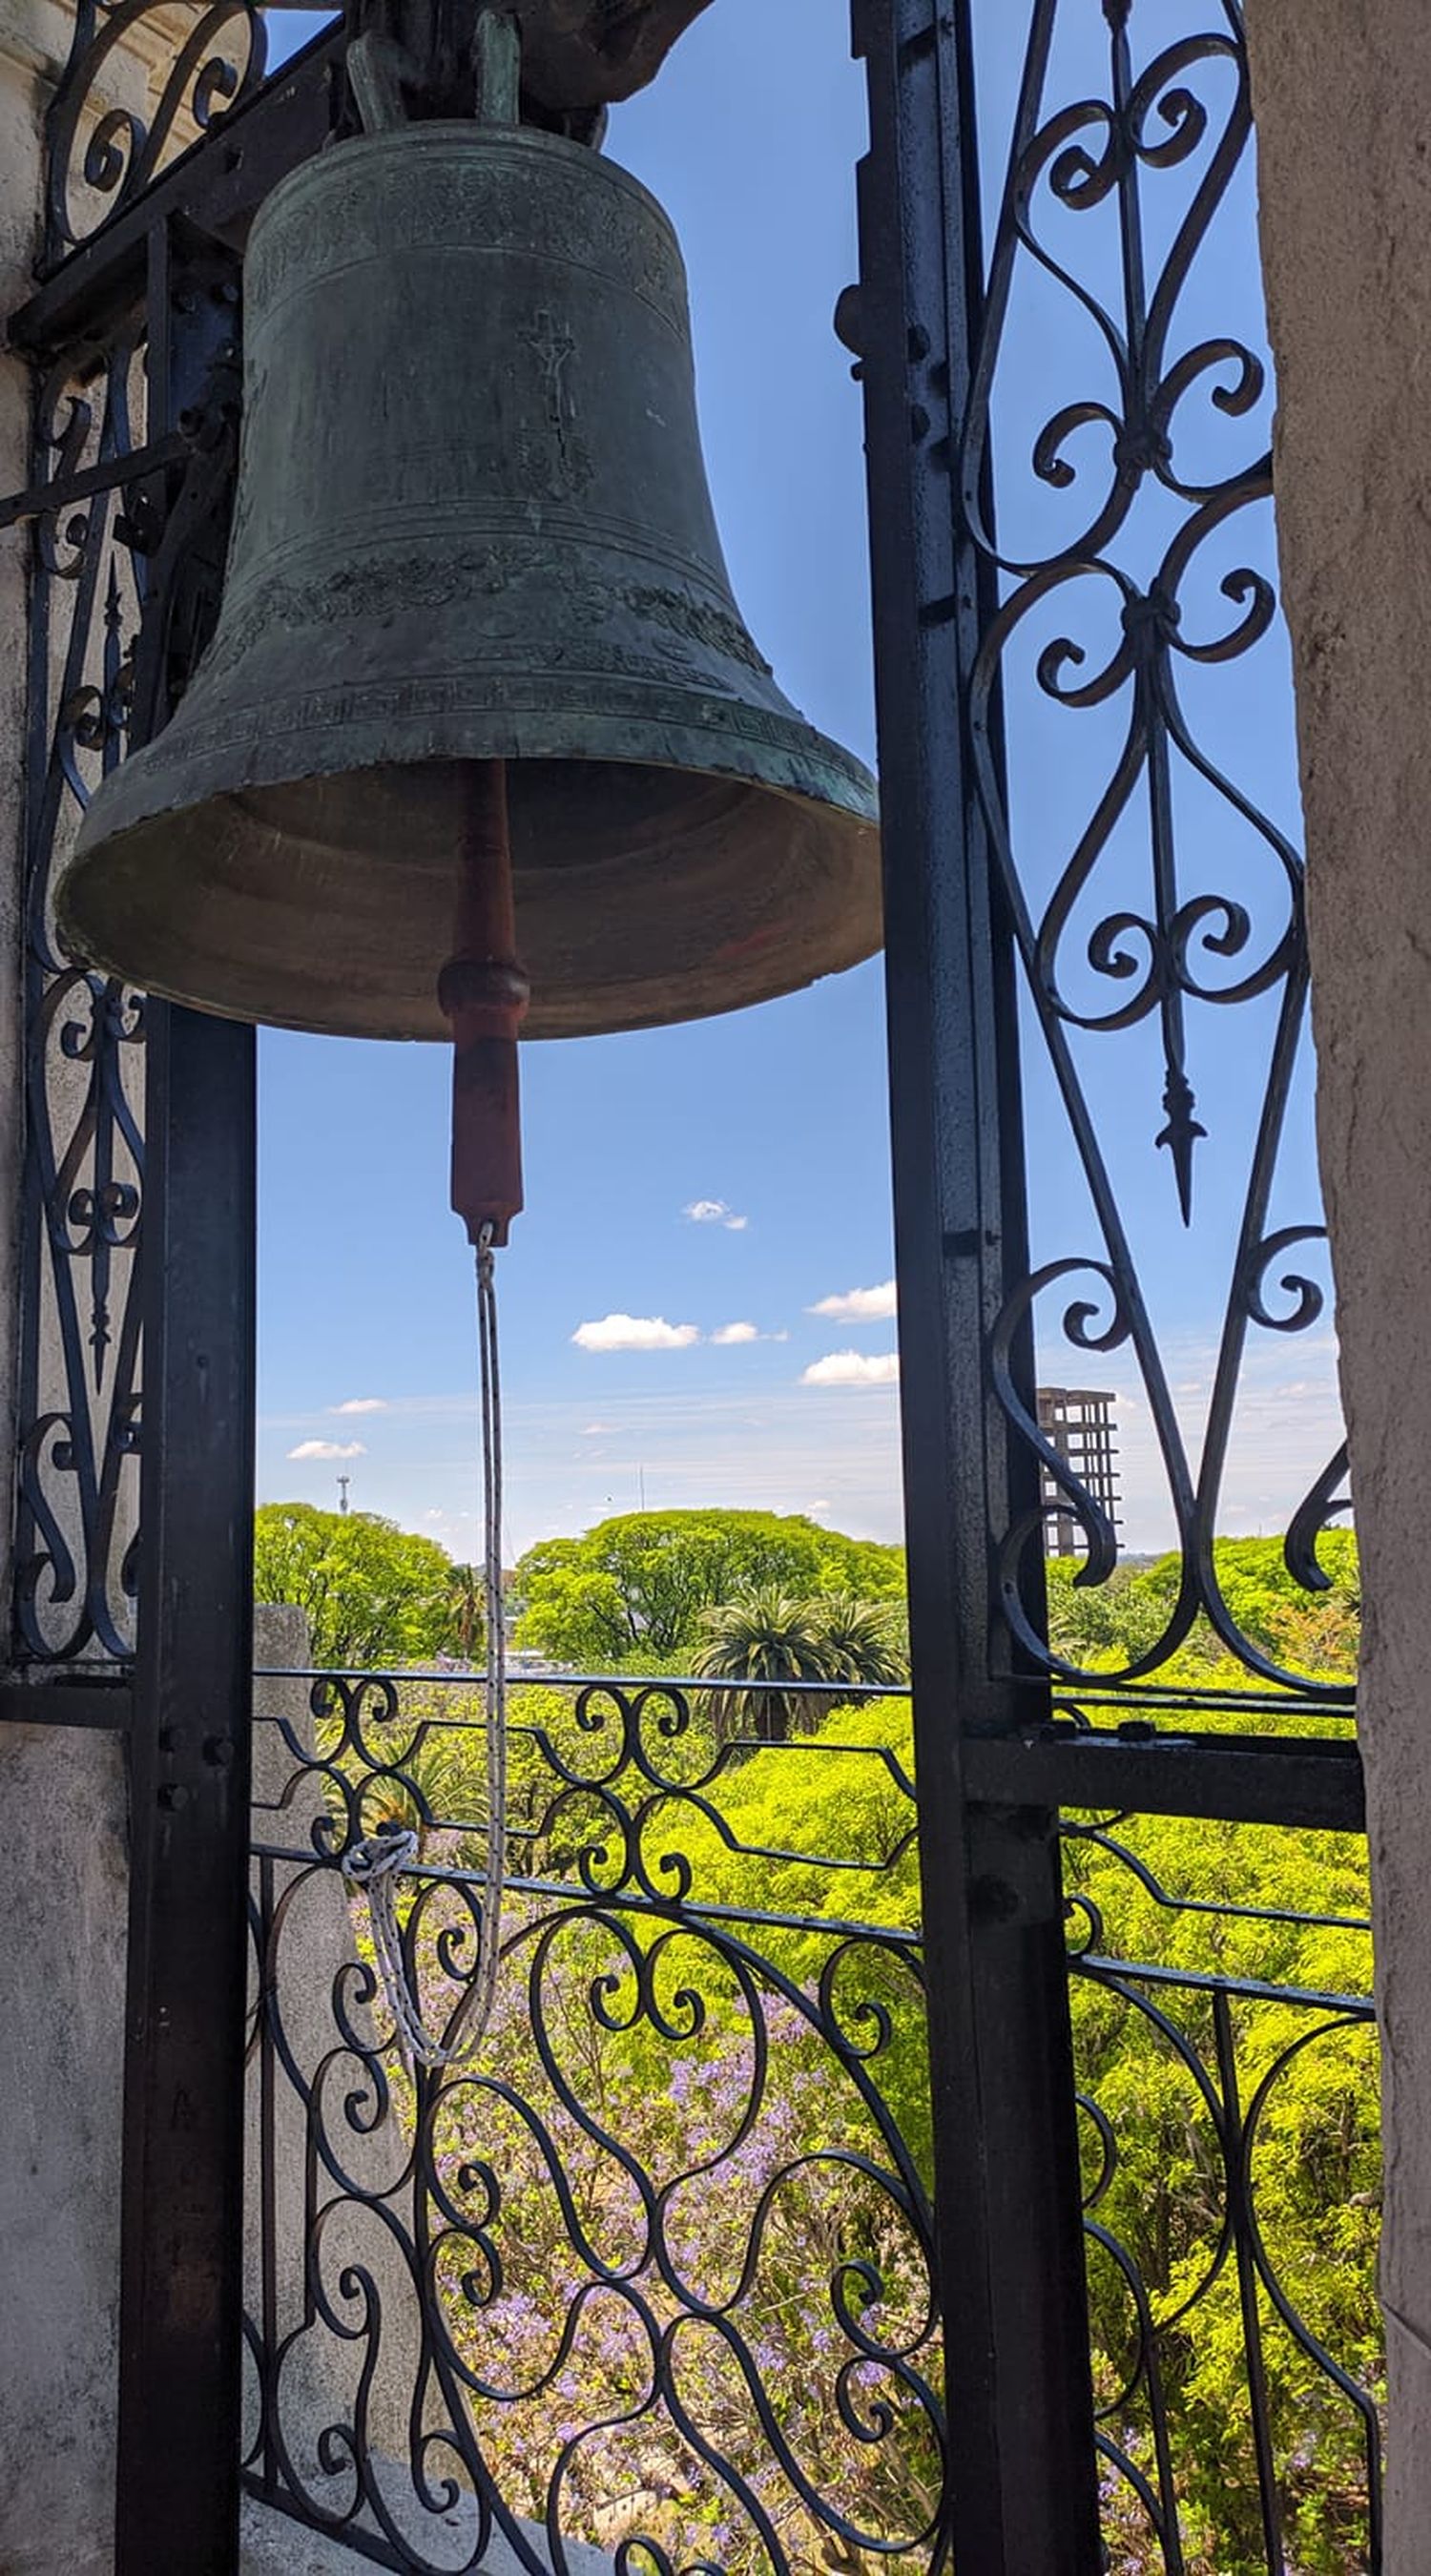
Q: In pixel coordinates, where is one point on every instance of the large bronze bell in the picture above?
(472, 526)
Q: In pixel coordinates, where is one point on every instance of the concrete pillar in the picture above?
(23, 93)
(61, 1790)
(1343, 103)
(62, 1959)
(62, 1952)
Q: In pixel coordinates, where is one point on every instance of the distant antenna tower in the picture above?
(343, 1483)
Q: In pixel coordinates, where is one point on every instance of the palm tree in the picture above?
(864, 1640)
(764, 1635)
(467, 1582)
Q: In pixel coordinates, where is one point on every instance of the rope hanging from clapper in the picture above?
(376, 1865)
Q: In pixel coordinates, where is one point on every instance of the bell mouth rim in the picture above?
(487, 727)
(787, 949)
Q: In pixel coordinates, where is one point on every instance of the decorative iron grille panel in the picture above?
(759, 2000)
(127, 508)
(144, 80)
(1115, 477)
(84, 1035)
(651, 2273)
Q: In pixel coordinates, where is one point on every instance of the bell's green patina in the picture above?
(473, 524)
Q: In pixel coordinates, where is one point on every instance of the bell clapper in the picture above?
(291, 844)
(484, 991)
(484, 994)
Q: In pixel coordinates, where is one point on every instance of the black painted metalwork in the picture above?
(189, 1772)
(135, 341)
(653, 2272)
(1118, 510)
(140, 1234)
(69, 1699)
(1057, 941)
(103, 157)
(1105, 567)
(84, 1155)
(1006, 2182)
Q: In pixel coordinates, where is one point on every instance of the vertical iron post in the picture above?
(181, 2289)
(1009, 2244)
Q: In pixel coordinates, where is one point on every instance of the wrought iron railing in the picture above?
(1115, 477)
(1069, 405)
(652, 2273)
(135, 404)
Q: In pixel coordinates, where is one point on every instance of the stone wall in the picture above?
(25, 66)
(1343, 101)
(62, 1962)
(61, 1790)
(1344, 105)
(62, 2020)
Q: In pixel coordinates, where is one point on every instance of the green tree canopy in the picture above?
(826, 1830)
(374, 1595)
(864, 1641)
(762, 1635)
(1109, 1625)
(634, 1590)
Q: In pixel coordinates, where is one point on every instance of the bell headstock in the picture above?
(580, 55)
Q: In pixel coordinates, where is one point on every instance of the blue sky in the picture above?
(772, 1123)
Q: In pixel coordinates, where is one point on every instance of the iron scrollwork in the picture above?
(128, 535)
(651, 2273)
(74, 1584)
(1232, 2191)
(1132, 560)
(138, 88)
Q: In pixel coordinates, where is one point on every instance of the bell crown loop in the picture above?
(472, 524)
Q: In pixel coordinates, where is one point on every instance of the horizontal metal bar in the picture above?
(1234, 1779)
(68, 489)
(631, 1685)
(1139, 1699)
(1196, 1981)
(1155, 1698)
(52, 1700)
(626, 1899)
(217, 185)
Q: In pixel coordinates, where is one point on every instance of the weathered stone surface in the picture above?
(61, 1791)
(22, 101)
(62, 1969)
(1343, 101)
(274, 2546)
(62, 2014)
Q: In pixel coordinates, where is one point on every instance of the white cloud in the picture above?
(854, 1368)
(730, 1334)
(859, 1305)
(635, 1333)
(361, 1404)
(598, 1430)
(715, 1212)
(329, 1449)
